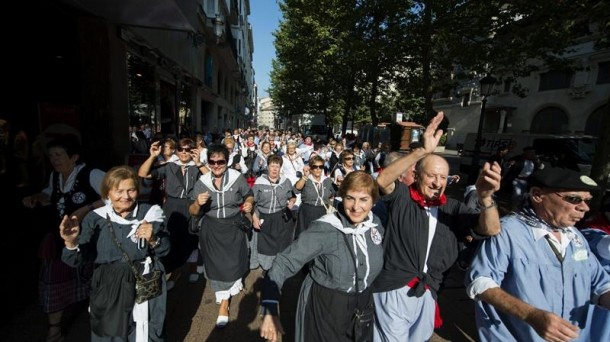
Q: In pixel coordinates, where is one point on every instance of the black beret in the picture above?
(562, 178)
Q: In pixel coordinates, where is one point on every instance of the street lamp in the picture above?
(487, 84)
(219, 28)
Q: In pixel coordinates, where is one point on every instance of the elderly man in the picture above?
(537, 279)
(421, 238)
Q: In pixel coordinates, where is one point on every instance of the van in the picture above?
(573, 151)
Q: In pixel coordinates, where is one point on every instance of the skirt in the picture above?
(182, 242)
(329, 314)
(224, 248)
(275, 234)
(307, 214)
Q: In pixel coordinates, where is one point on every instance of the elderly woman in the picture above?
(344, 167)
(217, 197)
(137, 231)
(73, 189)
(292, 165)
(260, 162)
(316, 193)
(347, 254)
(272, 219)
(180, 175)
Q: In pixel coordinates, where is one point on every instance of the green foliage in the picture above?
(368, 59)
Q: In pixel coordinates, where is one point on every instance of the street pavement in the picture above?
(191, 311)
(191, 314)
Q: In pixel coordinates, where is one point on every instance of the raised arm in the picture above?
(155, 150)
(487, 184)
(430, 138)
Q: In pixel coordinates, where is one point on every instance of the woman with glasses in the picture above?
(316, 192)
(180, 177)
(168, 154)
(217, 198)
(344, 167)
(272, 220)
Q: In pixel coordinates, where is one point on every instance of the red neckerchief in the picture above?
(598, 221)
(419, 198)
(438, 320)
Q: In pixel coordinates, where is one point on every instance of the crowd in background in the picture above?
(245, 199)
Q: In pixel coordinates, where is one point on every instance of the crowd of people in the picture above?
(372, 231)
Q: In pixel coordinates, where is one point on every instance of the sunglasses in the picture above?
(316, 167)
(183, 149)
(574, 199)
(219, 162)
(348, 158)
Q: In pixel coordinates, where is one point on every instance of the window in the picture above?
(209, 70)
(603, 73)
(466, 98)
(555, 79)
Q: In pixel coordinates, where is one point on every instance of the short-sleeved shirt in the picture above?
(224, 202)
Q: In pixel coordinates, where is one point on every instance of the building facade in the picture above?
(104, 68)
(267, 114)
(556, 102)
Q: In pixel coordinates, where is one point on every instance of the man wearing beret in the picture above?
(538, 280)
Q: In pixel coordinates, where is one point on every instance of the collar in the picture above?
(180, 163)
(418, 197)
(228, 178)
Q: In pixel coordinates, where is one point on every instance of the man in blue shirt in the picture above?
(538, 280)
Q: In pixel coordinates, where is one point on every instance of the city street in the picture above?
(191, 313)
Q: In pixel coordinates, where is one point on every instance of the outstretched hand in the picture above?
(271, 328)
(69, 228)
(489, 179)
(552, 327)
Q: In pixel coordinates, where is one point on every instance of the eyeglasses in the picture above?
(348, 158)
(574, 199)
(317, 167)
(219, 162)
(183, 149)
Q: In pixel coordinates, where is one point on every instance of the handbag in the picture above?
(148, 285)
(195, 224)
(363, 319)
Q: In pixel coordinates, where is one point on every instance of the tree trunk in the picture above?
(372, 101)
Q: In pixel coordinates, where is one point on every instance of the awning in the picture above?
(160, 14)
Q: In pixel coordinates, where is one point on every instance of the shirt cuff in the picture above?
(480, 285)
(269, 307)
(75, 248)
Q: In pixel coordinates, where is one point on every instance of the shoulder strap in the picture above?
(118, 243)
